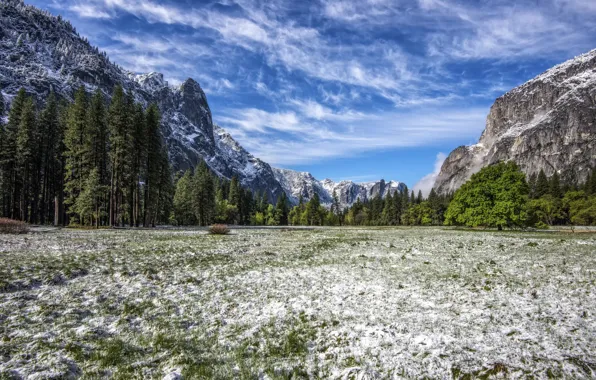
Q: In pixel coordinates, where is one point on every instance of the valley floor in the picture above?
(323, 303)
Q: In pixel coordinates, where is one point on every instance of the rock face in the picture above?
(297, 184)
(548, 123)
(43, 53)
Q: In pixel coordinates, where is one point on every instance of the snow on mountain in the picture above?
(548, 124)
(297, 184)
(44, 53)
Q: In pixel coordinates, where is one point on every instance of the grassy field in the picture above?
(325, 303)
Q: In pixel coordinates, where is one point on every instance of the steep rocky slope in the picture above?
(548, 123)
(43, 53)
(297, 184)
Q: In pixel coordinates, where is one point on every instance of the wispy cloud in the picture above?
(271, 135)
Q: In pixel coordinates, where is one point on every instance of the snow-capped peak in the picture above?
(150, 82)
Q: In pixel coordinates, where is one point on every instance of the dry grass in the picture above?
(10, 226)
(219, 229)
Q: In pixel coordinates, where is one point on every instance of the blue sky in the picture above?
(354, 89)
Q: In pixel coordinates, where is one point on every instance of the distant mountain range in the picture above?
(548, 123)
(44, 53)
(297, 184)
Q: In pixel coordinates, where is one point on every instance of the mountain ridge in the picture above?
(45, 53)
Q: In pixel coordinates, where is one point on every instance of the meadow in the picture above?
(343, 303)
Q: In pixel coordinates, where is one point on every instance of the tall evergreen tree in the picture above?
(77, 150)
(139, 161)
(555, 186)
(25, 159)
(282, 209)
(154, 164)
(419, 198)
(8, 155)
(97, 141)
(51, 153)
(117, 126)
(183, 200)
(542, 185)
(204, 195)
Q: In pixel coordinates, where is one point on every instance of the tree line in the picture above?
(99, 162)
(90, 162)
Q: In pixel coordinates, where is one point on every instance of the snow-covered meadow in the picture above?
(324, 303)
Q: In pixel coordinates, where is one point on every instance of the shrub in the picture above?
(219, 229)
(10, 226)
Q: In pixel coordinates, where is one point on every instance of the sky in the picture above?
(346, 89)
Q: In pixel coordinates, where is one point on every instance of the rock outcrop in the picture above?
(548, 123)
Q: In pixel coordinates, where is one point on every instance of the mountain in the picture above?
(297, 184)
(43, 53)
(548, 123)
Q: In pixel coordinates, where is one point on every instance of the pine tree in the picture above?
(87, 204)
(542, 185)
(419, 198)
(51, 153)
(165, 189)
(117, 126)
(281, 210)
(25, 167)
(97, 145)
(183, 200)
(388, 217)
(77, 153)
(154, 165)
(139, 162)
(397, 207)
(555, 186)
(335, 205)
(204, 195)
(312, 211)
(8, 155)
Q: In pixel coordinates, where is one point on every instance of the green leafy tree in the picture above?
(496, 196)
(547, 210)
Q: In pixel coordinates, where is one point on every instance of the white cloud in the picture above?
(302, 135)
(89, 11)
(426, 183)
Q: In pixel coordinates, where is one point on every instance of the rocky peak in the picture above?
(296, 184)
(151, 82)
